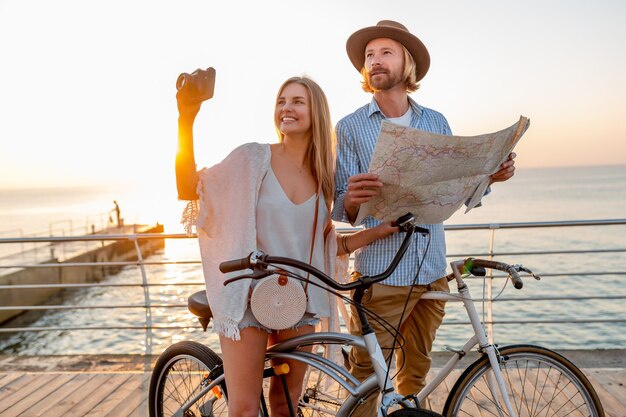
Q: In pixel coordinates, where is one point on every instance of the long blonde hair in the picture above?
(321, 151)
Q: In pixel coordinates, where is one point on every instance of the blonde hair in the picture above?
(408, 74)
(321, 151)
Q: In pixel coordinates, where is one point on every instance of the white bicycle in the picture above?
(511, 381)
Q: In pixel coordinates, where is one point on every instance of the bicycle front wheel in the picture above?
(539, 382)
(180, 373)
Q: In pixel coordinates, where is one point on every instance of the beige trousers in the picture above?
(419, 324)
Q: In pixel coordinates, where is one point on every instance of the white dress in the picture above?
(284, 229)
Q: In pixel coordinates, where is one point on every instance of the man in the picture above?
(392, 62)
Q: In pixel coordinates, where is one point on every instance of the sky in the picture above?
(87, 87)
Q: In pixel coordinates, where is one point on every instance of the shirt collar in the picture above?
(373, 108)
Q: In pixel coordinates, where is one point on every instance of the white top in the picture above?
(284, 229)
(404, 120)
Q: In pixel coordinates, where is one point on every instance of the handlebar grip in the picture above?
(515, 278)
(235, 265)
(500, 266)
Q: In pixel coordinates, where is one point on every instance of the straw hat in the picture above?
(393, 30)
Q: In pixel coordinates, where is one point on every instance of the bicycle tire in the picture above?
(180, 372)
(539, 381)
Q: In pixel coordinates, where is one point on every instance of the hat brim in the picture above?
(355, 46)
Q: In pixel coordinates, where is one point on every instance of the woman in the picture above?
(265, 197)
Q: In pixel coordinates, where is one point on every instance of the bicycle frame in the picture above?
(380, 378)
(356, 389)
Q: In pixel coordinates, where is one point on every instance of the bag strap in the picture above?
(317, 204)
(329, 223)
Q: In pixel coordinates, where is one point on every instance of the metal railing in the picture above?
(489, 321)
(488, 298)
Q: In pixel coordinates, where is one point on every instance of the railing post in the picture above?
(148, 309)
(489, 278)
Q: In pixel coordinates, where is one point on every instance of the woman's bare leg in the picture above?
(244, 361)
(278, 405)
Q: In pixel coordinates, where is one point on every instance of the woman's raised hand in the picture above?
(192, 90)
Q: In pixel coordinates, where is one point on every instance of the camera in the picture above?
(198, 85)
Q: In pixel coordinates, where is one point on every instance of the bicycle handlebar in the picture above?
(258, 262)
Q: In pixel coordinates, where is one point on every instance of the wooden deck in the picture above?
(73, 394)
(120, 391)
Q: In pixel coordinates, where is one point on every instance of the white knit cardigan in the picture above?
(226, 227)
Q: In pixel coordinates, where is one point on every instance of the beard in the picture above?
(384, 81)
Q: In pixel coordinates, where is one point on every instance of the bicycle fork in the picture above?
(496, 379)
(389, 396)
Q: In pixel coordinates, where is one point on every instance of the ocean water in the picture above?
(533, 195)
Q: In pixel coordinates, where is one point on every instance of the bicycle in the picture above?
(512, 381)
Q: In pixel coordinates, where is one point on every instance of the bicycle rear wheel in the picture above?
(539, 382)
(323, 395)
(179, 374)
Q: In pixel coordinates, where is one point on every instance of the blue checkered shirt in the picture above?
(357, 134)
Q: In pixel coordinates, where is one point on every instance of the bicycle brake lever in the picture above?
(255, 275)
(528, 271)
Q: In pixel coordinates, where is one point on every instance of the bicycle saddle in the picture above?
(198, 304)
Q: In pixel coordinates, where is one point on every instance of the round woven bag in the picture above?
(278, 302)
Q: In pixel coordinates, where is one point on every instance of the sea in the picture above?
(541, 313)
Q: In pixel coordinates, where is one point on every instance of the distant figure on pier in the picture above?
(116, 210)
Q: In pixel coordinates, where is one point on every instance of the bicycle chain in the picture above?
(319, 400)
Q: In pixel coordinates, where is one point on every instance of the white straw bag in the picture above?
(278, 302)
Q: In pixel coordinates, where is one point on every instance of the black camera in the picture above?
(198, 85)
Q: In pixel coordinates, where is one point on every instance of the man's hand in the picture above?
(385, 229)
(506, 171)
(361, 189)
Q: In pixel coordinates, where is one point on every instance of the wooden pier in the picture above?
(117, 386)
